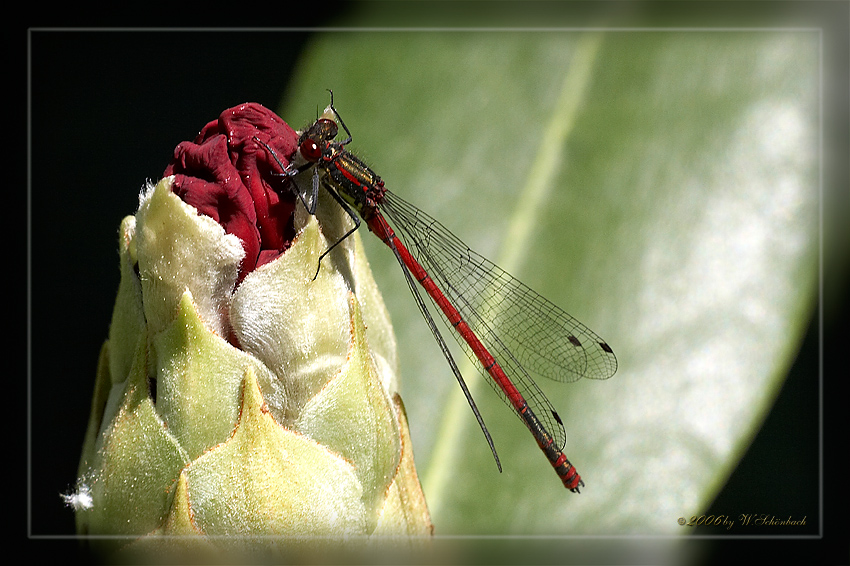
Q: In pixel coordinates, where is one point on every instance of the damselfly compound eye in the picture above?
(310, 150)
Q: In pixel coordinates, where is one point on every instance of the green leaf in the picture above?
(662, 187)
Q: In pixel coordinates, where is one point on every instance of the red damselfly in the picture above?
(507, 329)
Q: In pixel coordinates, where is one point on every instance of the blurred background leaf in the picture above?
(678, 218)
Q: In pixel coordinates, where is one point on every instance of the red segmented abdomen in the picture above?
(565, 470)
(383, 230)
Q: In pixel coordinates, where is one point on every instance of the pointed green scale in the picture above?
(199, 376)
(269, 480)
(353, 415)
(136, 465)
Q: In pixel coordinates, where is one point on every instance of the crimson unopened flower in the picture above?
(239, 392)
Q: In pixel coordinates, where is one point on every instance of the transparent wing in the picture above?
(527, 334)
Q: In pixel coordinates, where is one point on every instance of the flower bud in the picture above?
(239, 392)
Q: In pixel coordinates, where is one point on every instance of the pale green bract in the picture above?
(299, 431)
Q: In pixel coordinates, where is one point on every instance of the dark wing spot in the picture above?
(557, 417)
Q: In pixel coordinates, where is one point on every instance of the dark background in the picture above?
(106, 108)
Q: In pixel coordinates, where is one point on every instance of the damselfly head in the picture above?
(315, 138)
(322, 130)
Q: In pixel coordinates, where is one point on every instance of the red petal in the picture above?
(230, 177)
